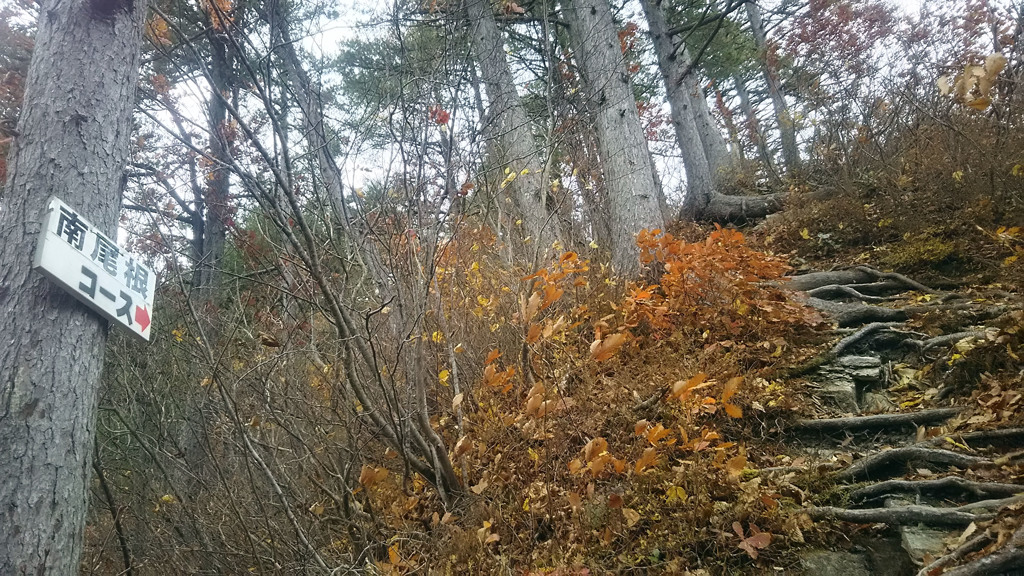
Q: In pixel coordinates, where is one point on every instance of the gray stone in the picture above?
(834, 563)
(859, 361)
(840, 393)
(862, 368)
(920, 541)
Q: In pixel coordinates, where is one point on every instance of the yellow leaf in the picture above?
(167, 499)
(437, 336)
(675, 493)
(369, 475)
(463, 445)
(683, 389)
(640, 427)
(317, 508)
(980, 103)
(393, 556)
(805, 234)
(443, 376)
(480, 487)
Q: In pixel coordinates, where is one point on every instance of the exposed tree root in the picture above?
(901, 515)
(969, 547)
(943, 340)
(999, 437)
(1009, 557)
(813, 280)
(856, 278)
(874, 421)
(912, 284)
(835, 291)
(860, 334)
(877, 465)
(940, 485)
(916, 514)
(848, 314)
(724, 208)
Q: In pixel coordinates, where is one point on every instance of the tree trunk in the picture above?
(752, 124)
(218, 182)
(787, 126)
(511, 125)
(628, 174)
(73, 142)
(674, 71)
(721, 160)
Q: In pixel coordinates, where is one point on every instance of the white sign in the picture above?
(83, 261)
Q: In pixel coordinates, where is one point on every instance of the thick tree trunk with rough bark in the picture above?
(628, 174)
(787, 126)
(73, 143)
(511, 125)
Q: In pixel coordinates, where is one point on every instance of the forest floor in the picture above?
(908, 447)
(855, 420)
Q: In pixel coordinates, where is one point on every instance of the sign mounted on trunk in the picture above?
(90, 266)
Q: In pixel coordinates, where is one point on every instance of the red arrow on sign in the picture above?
(142, 317)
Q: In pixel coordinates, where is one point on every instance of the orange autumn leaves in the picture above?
(598, 459)
(683, 389)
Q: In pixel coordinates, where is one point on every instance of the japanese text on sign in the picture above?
(91, 266)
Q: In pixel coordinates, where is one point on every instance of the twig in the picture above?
(115, 513)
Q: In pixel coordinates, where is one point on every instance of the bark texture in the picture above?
(511, 124)
(628, 174)
(73, 143)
